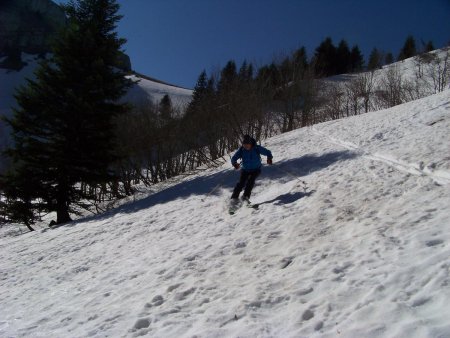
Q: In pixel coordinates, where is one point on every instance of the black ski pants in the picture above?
(246, 180)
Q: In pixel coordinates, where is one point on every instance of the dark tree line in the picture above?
(331, 60)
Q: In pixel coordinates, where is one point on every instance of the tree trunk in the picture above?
(62, 205)
(62, 214)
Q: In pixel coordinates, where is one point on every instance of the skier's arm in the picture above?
(265, 152)
(237, 155)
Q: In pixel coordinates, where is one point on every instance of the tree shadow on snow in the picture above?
(307, 164)
(206, 186)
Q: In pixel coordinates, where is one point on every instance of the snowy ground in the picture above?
(359, 249)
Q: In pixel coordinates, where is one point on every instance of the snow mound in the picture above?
(351, 239)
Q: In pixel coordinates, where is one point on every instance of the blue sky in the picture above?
(174, 40)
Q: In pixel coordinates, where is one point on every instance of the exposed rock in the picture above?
(27, 26)
(124, 62)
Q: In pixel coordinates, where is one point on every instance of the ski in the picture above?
(235, 206)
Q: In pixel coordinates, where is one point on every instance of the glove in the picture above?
(236, 165)
(269, 161)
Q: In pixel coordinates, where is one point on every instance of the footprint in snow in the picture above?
(307, 315)
(420, 302)
(434, 242)
(304, 292)
(274, 234)
(173, 287)
(156, 301)
(184, 294)
(341, 269)
(318, 326)
(286, 261)
(240, 244)
(142, 323)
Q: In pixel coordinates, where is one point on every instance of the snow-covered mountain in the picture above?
(351, 239)
(147, 90)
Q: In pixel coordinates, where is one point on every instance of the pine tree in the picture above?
(300, 63)
(197, 95)
(429, 46)
(325, 58)
(228, 78)
(356, 59)
(389, 58)
(408, 50)
(165, 108)
(343, 64)
(286, 71)
(63, 129)
(375, 60)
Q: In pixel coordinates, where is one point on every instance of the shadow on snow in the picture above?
(288, 198)
(203, 185)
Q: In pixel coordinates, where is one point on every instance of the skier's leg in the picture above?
(251, 183)
(240, 185)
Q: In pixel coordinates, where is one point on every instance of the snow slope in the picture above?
(408, 68)
(351, 239)
(145, 91)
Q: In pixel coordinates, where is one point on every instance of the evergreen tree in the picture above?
(375, 60)
(245, 72)
(286, 71)
(63, 129)
(165, 108)
(356, 59)
(343, 64)
(274, 75)
(325, 58)
(408, 50)
(389, 58)
(300, 63)
(429, 47)
(228, 78)
(250, 71)
(198, 95)
(200, 87)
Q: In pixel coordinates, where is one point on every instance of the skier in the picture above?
(251, 167)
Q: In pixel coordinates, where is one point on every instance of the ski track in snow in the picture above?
(341, 246)
(440, 176)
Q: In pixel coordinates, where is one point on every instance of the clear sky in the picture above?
(174, 40)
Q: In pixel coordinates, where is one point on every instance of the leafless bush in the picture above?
(334, 98)
(390, 89)
(438, 71)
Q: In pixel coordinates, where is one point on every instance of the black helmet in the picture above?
(249, 140)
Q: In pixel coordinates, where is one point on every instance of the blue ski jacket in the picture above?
(251, 159)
